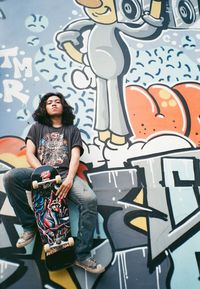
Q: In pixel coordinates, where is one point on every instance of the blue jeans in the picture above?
(18, 181)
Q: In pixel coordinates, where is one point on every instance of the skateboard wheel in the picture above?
(46, 248)
(35, 184)
(58, 179)
(71, 241)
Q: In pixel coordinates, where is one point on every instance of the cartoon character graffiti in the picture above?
(108, 56)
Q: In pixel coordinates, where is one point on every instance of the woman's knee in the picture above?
(91, 201)
(9, 177)
(14, 176)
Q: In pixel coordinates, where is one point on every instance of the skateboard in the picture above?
(52, 218)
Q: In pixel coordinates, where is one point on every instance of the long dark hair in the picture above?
(42, 117)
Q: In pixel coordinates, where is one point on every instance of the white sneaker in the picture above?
(26, 238)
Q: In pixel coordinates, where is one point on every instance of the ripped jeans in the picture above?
(18, 181)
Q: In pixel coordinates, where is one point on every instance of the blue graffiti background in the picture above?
(30, 28)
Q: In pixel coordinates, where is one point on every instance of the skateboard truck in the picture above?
(57, 180)
(54, 248)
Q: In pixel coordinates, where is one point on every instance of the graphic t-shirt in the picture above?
(54, 145)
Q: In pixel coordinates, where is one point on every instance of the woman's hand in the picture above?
(65, 187)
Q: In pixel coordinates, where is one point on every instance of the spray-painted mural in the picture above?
(131, 70)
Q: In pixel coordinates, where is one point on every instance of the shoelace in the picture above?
(92, 262)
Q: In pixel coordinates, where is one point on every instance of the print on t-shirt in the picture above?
(53, 149)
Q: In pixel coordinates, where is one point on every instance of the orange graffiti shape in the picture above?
(191, 95)
(161, 108)
(13, 151)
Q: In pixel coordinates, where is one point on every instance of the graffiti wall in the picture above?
(131, 71)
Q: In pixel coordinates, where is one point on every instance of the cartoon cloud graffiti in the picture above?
(108, 55)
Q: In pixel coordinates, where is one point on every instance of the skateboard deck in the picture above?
(52, 218)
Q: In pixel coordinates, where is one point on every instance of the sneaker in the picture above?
(90, 265)
(26, 238)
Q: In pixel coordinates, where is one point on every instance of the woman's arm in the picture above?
(73, 167)
(30, 154)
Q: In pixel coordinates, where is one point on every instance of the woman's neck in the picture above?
(56, 121)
